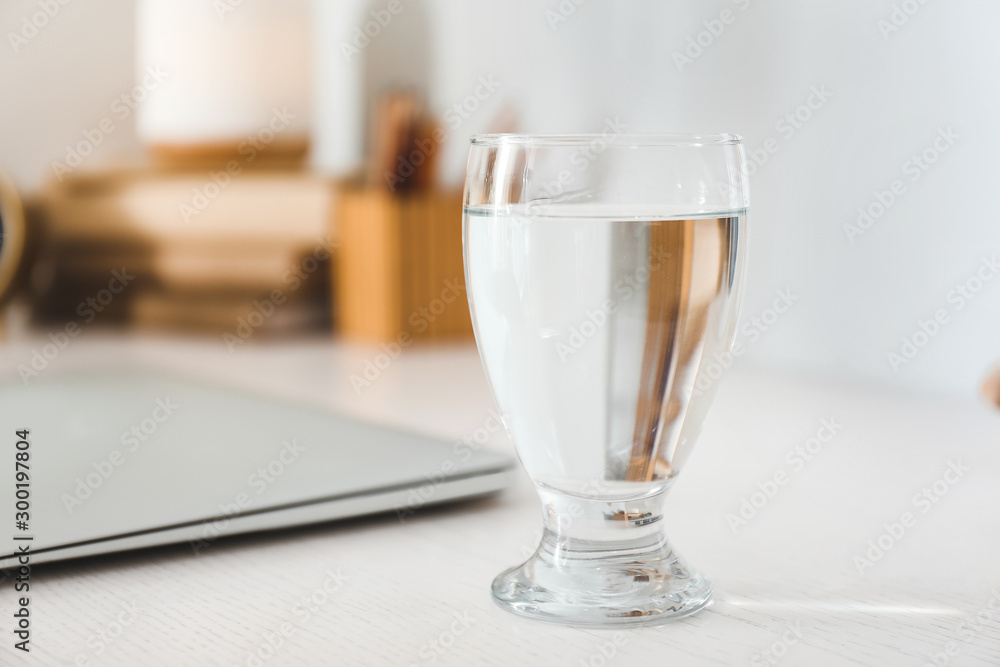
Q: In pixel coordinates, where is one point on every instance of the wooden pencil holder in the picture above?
(398, 274)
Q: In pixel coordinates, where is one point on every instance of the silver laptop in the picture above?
(127, 461)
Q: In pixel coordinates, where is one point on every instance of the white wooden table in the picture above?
(790, 589)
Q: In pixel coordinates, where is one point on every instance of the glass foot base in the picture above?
(621, 573)
(633, 600)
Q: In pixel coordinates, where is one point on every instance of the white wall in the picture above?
(890, 95)
(63, 81)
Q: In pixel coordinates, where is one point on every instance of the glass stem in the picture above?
(584, 529)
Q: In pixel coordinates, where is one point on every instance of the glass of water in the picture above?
(604, 274)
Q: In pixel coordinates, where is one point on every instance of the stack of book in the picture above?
(228, 249)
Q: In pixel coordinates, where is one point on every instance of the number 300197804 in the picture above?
(22, 480)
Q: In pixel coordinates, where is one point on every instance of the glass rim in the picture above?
(624, 139)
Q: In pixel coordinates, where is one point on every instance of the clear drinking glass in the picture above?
(602, 272)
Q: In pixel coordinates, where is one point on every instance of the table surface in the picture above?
(826, 568)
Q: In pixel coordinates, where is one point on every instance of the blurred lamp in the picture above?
(226, 69)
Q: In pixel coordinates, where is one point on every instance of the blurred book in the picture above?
(195, 248)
